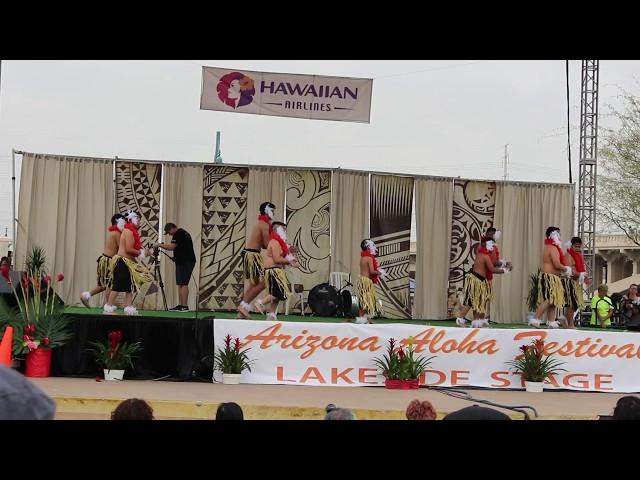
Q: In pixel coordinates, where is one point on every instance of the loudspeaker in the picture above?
(6, 291)
(633, 323)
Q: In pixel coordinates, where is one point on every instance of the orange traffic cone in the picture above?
(6, 346)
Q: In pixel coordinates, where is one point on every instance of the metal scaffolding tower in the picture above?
(588, 162)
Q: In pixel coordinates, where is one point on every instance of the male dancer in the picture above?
(495, 235)
(127, 273)
(253, 262)
(370, 273)
(574, 295)
(550, 288)
(275, 278)
(110, 249)
(477, 292)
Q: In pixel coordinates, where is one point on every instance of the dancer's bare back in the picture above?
(259, 236)
(551, 260)
(112, 244)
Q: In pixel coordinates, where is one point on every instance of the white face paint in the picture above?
(490, 245)
(555, 237)
(497, 235)
(281, 232)
(133, 218)
(269, 211)
(121, 223)
(136, 221)
(371, 246)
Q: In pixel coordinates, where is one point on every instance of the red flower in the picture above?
(236, 345)
(392, 346)
(401, 353)
(47, 279)
(115, 337)
(45, 341)
(26, 338)
(60, 277)
(25, 281)
(30, 329)
(524, 348)
(227, 341)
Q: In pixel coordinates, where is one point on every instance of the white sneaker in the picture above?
(534, 322)
(361, 320)
(109, 309)
(476, 324)
(553, 324)
(485, 322)
(461, 322)
(84, 298)
(272, 317)
(131, 310)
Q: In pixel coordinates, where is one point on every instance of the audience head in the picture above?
(229, 411)
(22, 400)
(476, 412)
(627, 408)
(418, 410)
(335, 413)
(133, 409)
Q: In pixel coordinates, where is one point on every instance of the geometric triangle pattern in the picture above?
(224, 197)
(308, 207)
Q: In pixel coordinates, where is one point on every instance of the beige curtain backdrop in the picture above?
(523, 213)
(434, 202)
(349, 220)
(182, 205)
(65, 207)
(265, 185)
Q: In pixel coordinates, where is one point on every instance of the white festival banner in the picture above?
(286, 94)
(342, 354)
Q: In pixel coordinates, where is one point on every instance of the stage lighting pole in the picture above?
(588, 163)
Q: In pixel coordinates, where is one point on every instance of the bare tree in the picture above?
(619, 182)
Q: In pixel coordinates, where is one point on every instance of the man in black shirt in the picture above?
(184, 258)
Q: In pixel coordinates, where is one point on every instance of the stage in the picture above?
(86, 399)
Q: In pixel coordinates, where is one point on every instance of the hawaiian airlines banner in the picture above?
(286, 94)
(301, 353)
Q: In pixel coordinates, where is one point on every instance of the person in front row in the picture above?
(601, 308)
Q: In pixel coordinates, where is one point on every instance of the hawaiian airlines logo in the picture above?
(236, 89)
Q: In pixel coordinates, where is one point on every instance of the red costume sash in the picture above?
(489, 273)
(265, 218)
(113, 228)
(552, 243)
(281, 242)
(376, 266)
(137, 243)
(579, 259)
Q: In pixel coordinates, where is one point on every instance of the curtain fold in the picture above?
(434, 201)
(349, 220)
(65, 207)
(182, 196)
(523, 212)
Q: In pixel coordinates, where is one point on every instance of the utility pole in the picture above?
(217, 155)
(505, 162)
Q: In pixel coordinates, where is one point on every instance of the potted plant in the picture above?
(231, 361)
(114, 355)
(400, 368)
(39, 322)
(534, 366)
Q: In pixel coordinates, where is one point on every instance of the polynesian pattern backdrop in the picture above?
(473, 208)
(138, 189)
(390, 218)
(224, 219)
(308, 224)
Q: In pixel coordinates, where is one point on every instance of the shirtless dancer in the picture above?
(253, 262)
(104, 261)
(550, 287)
(477, 291)
(493, 234)
(275, 278)
(573, 286)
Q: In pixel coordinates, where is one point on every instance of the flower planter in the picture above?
(231, 378)
(402, 384)
(38, 363)
(534, 387)
(113, 374)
